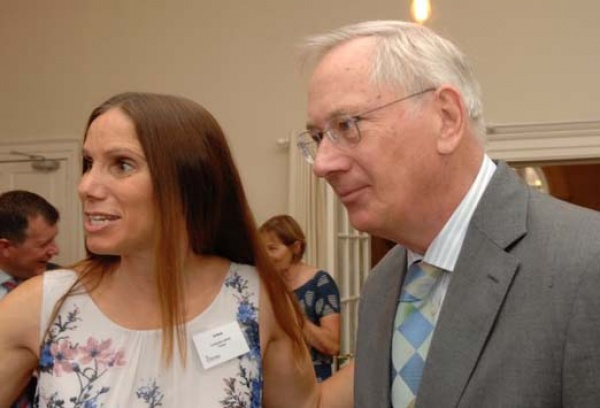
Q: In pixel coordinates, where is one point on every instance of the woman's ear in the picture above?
(296, 247)
(453, 115)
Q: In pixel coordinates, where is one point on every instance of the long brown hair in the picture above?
(195, 180)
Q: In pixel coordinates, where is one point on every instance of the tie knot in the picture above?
(419, 280)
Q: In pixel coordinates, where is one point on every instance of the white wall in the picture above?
(537, 62)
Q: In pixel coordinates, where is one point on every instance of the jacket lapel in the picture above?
(479, 284)
(374, 339)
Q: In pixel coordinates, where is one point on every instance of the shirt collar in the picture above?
(445, 247)
(4, 277)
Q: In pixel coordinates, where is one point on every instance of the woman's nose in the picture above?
(91, 184)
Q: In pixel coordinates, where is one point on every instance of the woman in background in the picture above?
(315, 289)
(175, 272)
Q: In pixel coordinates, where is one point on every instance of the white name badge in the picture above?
(221, 344)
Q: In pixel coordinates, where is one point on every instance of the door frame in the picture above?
(543, 142)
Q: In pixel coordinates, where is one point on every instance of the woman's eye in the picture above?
(87, 164)
(125, 166)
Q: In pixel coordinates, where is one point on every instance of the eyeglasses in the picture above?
(341, 130)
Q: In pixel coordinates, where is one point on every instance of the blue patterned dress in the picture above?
(319, 297)
(88, 361)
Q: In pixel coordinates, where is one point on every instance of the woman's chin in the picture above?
(99, 249)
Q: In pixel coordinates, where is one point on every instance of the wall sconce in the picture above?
(535, 177)
(420, 10)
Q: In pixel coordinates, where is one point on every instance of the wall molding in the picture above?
(541, 142)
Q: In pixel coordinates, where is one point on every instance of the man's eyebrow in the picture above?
(310, 126)
(335, 114)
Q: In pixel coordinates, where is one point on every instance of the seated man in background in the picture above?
(28, 229)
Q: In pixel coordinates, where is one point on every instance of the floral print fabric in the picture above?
(319, 297)
(88, 361)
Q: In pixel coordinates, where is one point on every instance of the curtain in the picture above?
(307, 203)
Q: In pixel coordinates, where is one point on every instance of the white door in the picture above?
(57, 186)
(52, 186)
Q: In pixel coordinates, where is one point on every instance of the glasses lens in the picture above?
(345, 131)
(308, 146)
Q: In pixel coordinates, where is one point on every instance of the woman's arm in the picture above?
(338, 390)
(326, 337)
(288, 379)
(19, 338)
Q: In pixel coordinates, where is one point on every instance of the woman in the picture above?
(174, 275)
(315, 289)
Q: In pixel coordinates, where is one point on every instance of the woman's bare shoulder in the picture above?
(20, 315)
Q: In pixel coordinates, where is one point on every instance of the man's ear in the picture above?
(5, 245)
(453, 115)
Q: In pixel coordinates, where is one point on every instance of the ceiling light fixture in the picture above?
(420, 10)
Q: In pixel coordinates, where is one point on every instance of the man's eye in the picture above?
(316, 136)
(344, 125)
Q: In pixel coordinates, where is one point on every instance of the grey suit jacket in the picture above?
(520, 324)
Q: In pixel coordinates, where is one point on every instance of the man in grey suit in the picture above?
(395, 126)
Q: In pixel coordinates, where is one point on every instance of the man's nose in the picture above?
(328, 159)
(53, 249)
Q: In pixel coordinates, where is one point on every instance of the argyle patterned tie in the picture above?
(413, 328)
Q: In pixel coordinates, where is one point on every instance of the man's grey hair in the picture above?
(408, 56)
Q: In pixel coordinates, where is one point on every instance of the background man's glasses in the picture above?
(342, 130)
